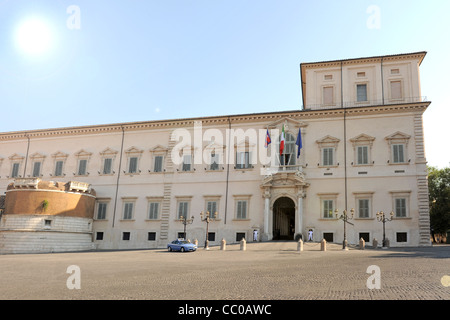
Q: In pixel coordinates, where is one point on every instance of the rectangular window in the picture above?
(133, 164)
(15, 170)
(214, 161)
(240, 236)
(361, 92)
(187, 162)
(328, 236)
(363, 155)
(211, 207)
(126, 236)
(151, 236)
(158, 164)
(398, 153)
(37, 169)
(242, 160)
(99, 236)
(327, 207)
(101, 210)
(400, 207)
(107, 166)
(363, 208)
(241, 209)
(328, 95)
(396, 90)
(128, 210)
(59, 168)
(153, 210)
(402, 237)
(365, 236)
(211, 236)
(183, 209)
(327, 156)
(82, 167)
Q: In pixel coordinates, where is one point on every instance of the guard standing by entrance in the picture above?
(310, 235)
(255, 235)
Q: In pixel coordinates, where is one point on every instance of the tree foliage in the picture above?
(439, 195)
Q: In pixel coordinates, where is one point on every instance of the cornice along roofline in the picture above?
(298, 115)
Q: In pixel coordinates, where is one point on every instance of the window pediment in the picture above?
(37, 156)
(328, 141)
(289, 122)
(362, 139)
(59, 155)
(108, 152)
(159, 149)
(83, 154)
(133, 151)
(398, 137)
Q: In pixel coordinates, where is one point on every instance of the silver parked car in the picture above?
(181, 245)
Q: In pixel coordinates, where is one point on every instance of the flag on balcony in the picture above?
(299, 142)
(268, 140)
(282, 141)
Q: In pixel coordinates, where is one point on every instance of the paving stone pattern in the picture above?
(265, 271)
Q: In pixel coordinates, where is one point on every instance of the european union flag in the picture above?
(299, 142)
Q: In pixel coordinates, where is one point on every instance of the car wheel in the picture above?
(170, 249)
(182, 249)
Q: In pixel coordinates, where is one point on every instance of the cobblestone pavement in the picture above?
(271, 270)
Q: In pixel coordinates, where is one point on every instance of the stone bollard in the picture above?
(223, 245)
(386, 244)
(375, 243)
(323, 245)
(300, 245)
(196, 242)
(362, 244)
(243, 246)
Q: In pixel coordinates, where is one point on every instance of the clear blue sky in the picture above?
(148, 60)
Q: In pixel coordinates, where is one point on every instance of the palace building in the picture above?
(356, 145)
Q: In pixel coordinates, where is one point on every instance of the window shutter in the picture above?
(396, 89)
(158, 164)
(328, 95)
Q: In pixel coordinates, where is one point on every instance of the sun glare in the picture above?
(33, 37)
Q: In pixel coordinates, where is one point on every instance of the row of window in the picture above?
(361, 90)
(151, 236)
(400, 237)
(363, 210)
(327, 145)
(183, 208)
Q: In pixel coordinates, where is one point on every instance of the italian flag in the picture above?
(282, 141)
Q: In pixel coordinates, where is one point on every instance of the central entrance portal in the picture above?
(283, 219)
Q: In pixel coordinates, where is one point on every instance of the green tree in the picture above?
(439, 195)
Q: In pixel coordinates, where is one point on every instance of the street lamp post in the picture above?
(186, 222)
(382, 218)
(344, 217)
(207, 219)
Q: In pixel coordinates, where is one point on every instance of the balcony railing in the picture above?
(357, 104)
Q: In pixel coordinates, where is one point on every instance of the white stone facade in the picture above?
(367, 155)
(44, 233)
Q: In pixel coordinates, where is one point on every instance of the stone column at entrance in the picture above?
(266, 235)
(299, 215)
